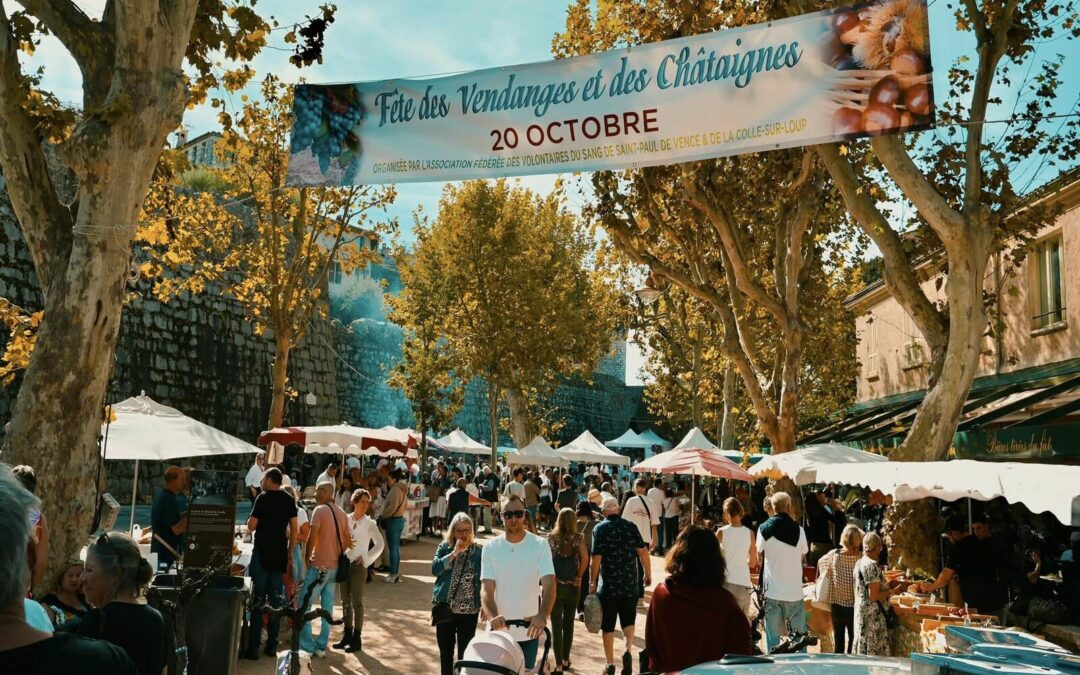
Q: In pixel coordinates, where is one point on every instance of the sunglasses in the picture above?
(513, 514)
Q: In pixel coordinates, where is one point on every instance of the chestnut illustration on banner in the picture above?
(880, 117)
(847, 121)
(886, 90)
(917, 99)
(879, 56)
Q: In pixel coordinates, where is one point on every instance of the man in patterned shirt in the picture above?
(617, 547)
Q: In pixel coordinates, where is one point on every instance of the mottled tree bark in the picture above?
(134, 96)
(279, 378)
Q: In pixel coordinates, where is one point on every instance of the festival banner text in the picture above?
(809, 79)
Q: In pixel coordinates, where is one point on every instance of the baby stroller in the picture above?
(496, 651)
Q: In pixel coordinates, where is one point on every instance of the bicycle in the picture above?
(290, 662)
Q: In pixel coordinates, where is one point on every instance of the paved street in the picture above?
(399, 638)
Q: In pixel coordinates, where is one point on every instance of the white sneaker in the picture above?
(320, 654)
(391, 579)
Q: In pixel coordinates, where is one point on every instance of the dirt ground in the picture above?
(398, 636)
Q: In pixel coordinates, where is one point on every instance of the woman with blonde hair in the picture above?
(66, 602)
(455, 601)
(871, 598)
(837, 570)
(570, 558)
(737, 543)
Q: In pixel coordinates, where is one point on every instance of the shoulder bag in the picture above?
(823, 585)
(344, 566)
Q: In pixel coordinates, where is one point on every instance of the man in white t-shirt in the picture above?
(657, 496)
(516, 487)
(253, 479)
(640, 511)
(513, 567)
(783, 544)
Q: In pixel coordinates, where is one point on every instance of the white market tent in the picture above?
(652, 438)
(695, 439)
(630, 439)
(145, 430)
(1039, 487)
(801, 465)
(537, 452)
(458, 441)
(587, 448)
(644, 441)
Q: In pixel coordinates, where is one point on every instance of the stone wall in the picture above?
(197, 354)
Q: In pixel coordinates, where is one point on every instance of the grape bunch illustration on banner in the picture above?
(880, 78)
(326, 145)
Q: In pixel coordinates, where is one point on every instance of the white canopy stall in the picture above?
(1042, 488)
(587, 448)
(458, 441)
(538, 453)
(145, 430)
(801, 465)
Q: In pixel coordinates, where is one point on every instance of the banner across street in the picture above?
(805, 80)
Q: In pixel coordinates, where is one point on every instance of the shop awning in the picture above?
(1020, 401)
(1042, 488)
(802, 465)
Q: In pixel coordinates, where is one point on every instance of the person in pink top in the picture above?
(329, 538)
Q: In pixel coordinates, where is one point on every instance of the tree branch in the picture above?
(45, 224)
(900, 277)
(80, 35)
(991, 47)
(946, 222)
(729, 343)
(726, 231)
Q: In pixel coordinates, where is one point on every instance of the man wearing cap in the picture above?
(254, 476)
(166, 519)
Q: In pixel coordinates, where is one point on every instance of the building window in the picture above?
(913, 353)
(871, 348)
(1048, 308)
(335, 273)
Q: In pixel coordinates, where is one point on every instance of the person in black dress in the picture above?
(23, 648)
(66, 602)
(114, 578)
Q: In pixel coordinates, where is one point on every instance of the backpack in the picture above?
(566, 566)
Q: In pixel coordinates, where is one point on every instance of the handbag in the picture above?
(344, 565)
(593, 613)
(886, 609)
(823, 584)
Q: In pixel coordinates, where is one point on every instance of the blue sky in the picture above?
(376, 39)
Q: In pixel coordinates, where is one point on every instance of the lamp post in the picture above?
(648, 293)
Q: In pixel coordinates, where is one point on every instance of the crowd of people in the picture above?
(575, 546)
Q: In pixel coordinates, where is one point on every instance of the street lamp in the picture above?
(648, 294)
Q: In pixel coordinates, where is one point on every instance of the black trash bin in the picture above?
(213, 622)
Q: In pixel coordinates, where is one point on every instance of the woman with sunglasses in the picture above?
(455, 601)
(114, 578)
